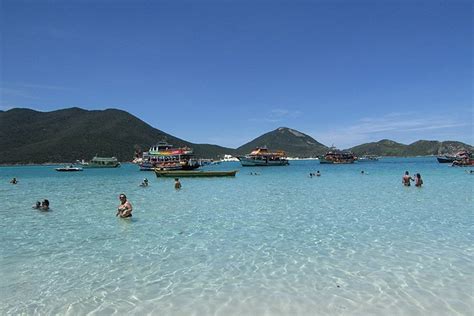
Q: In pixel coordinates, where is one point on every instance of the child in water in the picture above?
(177, 184)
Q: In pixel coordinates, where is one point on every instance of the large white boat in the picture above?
(262, 157)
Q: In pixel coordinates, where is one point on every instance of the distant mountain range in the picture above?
(28, 136)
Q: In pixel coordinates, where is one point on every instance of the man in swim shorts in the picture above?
(125, 208)
(406, 179)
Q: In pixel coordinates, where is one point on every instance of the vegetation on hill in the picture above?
(296, 144)
(385, 147)
(419, 148)
(28, 136)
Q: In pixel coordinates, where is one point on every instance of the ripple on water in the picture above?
(280, 243)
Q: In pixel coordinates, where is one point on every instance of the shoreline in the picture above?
(20, 164)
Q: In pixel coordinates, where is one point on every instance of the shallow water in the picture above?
(277, 243)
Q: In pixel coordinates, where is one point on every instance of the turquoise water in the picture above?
(277, 243)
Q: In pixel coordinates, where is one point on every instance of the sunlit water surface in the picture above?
(276, 243)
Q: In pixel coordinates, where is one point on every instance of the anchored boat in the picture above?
(262, 157)
(336, 156)
(193, 173)
(164, 156)
(101, 162)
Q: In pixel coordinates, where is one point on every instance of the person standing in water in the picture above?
(125, 208)
(406, 179)
(45, 205)
(418, 180)
(177, 184)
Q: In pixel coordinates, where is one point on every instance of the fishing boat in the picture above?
(193, 173)
(336, 156)
(261, 156)
(165, 157)
(101, 162)
(69, 168)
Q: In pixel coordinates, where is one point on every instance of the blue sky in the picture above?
(225, 72)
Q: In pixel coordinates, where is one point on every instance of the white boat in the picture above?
(229, 158)
(366, 158)
(69, 168)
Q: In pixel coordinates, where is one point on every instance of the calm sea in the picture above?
(276, 243)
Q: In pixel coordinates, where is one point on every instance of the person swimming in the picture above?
(37, 205)
(14, 181)
(144, 183)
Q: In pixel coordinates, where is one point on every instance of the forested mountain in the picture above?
(28, 136)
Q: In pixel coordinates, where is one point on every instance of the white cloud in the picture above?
(277, 115)
(401, 127)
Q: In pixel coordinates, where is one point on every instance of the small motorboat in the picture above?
(70, 168)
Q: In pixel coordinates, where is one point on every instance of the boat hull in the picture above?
(89, 166)
(191, 173)
(68, 169)
(332, 162)
(446, 159)
(249, 162)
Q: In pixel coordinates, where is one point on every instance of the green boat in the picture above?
(193, 173)
(101, 162)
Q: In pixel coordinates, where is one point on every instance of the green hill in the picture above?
(296, 144)
(28, 136)
(385, 147)
(419, 148)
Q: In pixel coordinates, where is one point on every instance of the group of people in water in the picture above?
(43, 206)
(125, 208)
(406, 179)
